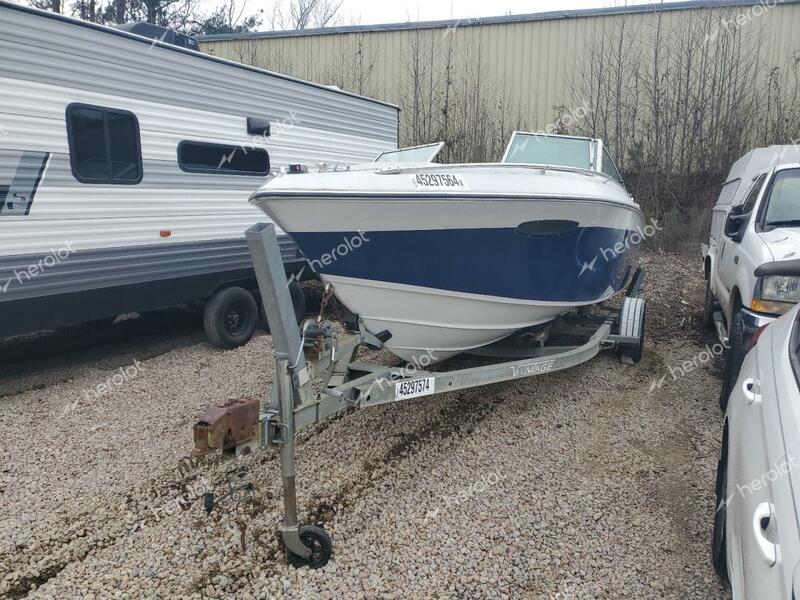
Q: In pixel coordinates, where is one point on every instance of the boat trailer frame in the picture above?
(316, 350)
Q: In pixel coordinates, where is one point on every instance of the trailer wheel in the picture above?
(230, 317)
(321, 548)
(632, 322)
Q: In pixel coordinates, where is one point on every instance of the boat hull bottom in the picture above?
(429, 325)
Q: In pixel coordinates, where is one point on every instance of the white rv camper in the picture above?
(126, 164)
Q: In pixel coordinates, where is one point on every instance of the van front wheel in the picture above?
(230, 317)
(708, 307)
(734, 357)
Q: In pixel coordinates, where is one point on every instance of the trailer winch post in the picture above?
(262, 242)
(291, 370)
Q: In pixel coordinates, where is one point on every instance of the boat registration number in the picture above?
(438, 181)
(414, 388)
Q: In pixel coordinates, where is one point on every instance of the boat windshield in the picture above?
(783, 208)
(415, 154)
(560, 151)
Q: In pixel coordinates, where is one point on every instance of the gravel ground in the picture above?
(591, 483)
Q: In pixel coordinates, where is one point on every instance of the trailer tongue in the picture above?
(317, 351)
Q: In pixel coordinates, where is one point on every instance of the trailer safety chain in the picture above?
(326, 296)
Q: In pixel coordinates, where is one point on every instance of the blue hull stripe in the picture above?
(575, 266)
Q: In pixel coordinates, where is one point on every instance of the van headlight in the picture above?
(776, 294)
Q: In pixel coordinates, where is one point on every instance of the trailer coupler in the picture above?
(232, 426)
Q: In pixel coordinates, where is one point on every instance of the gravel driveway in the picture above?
(591, 483)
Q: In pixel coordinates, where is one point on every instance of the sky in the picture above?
(392, 11)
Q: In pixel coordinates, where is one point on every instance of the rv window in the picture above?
(104, 145)
(200, 157)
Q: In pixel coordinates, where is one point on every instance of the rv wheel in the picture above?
(298, 303)
(230, 317)
(298, 300)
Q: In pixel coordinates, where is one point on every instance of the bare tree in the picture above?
(51, 5)
(304, 14)
(678, 104)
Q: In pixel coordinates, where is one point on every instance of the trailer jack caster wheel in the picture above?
(320, 544)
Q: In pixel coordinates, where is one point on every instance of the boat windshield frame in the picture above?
(595, 149)
(597, 152)
(435, 147)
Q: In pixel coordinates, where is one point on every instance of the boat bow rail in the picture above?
(317, 351)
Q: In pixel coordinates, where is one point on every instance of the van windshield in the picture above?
(783, 208)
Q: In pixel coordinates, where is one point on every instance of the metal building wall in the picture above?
(533, 60)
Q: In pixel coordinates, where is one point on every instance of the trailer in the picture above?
(126, 163)
(317, 352)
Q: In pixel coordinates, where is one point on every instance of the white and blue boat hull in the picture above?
(445, 273)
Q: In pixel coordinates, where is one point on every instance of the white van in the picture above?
(756, 221)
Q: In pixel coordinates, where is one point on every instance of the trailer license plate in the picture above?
(414, 388)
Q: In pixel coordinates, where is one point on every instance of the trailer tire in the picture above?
(230, 317)
(635, 351)
(321, 548)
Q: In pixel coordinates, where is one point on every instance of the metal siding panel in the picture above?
(539, 55)
(94, 269)
(117, 65)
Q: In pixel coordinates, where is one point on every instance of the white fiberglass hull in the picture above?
(445, 271)
(430, 325)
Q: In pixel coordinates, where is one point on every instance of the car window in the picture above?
(783, 204)
(728, 192)
(750, 201)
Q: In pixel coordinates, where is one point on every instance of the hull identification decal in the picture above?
(438, 181)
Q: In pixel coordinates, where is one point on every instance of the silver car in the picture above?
(756, 543)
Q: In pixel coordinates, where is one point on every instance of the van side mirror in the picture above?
(735, 223)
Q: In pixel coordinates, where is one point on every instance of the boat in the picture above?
(439, 259)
